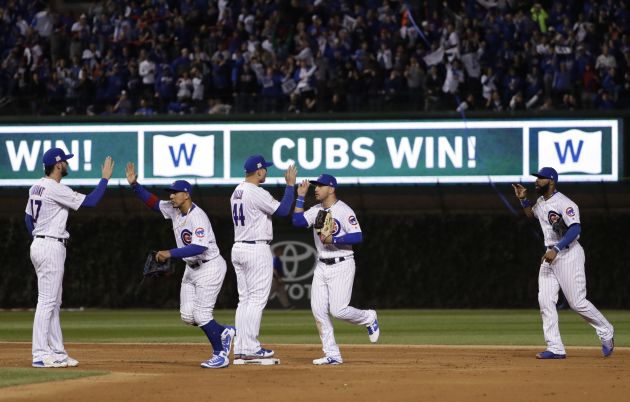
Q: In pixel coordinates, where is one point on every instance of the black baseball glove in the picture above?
(560, 227)
(155, 269)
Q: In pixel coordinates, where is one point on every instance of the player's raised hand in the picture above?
(107, 168)
(519, 191)
(290, 176)
(130, 172)
(303, 188)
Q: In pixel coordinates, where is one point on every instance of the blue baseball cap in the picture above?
(547, 173)
(54, 155)
(179, 186)
(325, 180)
(255, 162)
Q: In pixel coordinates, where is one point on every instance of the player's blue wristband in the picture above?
(525, 203)
(299, 203)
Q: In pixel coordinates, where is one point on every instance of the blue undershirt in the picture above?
(150, 199)
(95, 196)
(28, 220)
(187, 251)
(349, 238)
(285, 204)
(571, 234)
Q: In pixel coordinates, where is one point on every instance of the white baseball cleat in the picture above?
(373, 330)
(217, 361)
(326, 360)
(49, 362)
(71, 362)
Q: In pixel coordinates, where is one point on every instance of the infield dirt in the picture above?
(171, 372)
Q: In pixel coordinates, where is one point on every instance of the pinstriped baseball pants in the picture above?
(48, 257)
(253, 265)
(566, 272)
(199, 291)
(330, 295)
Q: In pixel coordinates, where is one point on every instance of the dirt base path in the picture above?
(171, 372)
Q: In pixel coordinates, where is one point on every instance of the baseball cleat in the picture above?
(71, 362)
(547, 354)
(49, 362)
(261, 354)
(329, 361)
(216, 361)
(608, 347)
(226, 339)
(373, 331)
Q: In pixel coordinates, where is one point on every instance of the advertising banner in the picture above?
(379, 152)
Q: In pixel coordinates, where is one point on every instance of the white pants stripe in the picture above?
(253, 264)
(330, 296)
(199, 291)
(566, 272)
(48, 257)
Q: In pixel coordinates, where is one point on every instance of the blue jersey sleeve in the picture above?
(92, 199)
(285, 204)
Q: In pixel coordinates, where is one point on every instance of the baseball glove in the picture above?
(155, 269)
(324, 224)
(560, 227)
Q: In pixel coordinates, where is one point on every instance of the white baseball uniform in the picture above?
(252, 208)
(332, 283)
(204, 272)
(49, 203)
(566, 272)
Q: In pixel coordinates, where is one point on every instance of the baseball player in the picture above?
(252, 208)
(46, 215)
(205, 268)
(562, 265)
(334, 273)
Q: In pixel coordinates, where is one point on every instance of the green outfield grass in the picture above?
(19, 376)
(399, 327)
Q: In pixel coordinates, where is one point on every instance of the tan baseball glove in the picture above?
(324, 224)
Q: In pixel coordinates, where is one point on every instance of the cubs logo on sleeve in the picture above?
(570, 211)
(353, 220)
(186, 236)
(200, 232)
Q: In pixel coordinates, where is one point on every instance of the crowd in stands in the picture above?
(144, 57)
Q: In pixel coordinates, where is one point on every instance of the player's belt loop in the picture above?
(62, 241)
(331, 261)
(196, 264)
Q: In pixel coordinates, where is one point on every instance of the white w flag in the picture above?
(185, 154)
(435, 57)
(571, 151)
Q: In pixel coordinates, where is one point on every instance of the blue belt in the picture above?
(62, 241)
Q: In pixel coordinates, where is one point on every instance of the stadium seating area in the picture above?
(147, 57)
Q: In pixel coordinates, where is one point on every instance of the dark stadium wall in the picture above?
(422, 261)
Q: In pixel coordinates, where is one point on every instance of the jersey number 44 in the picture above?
(237, 214)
